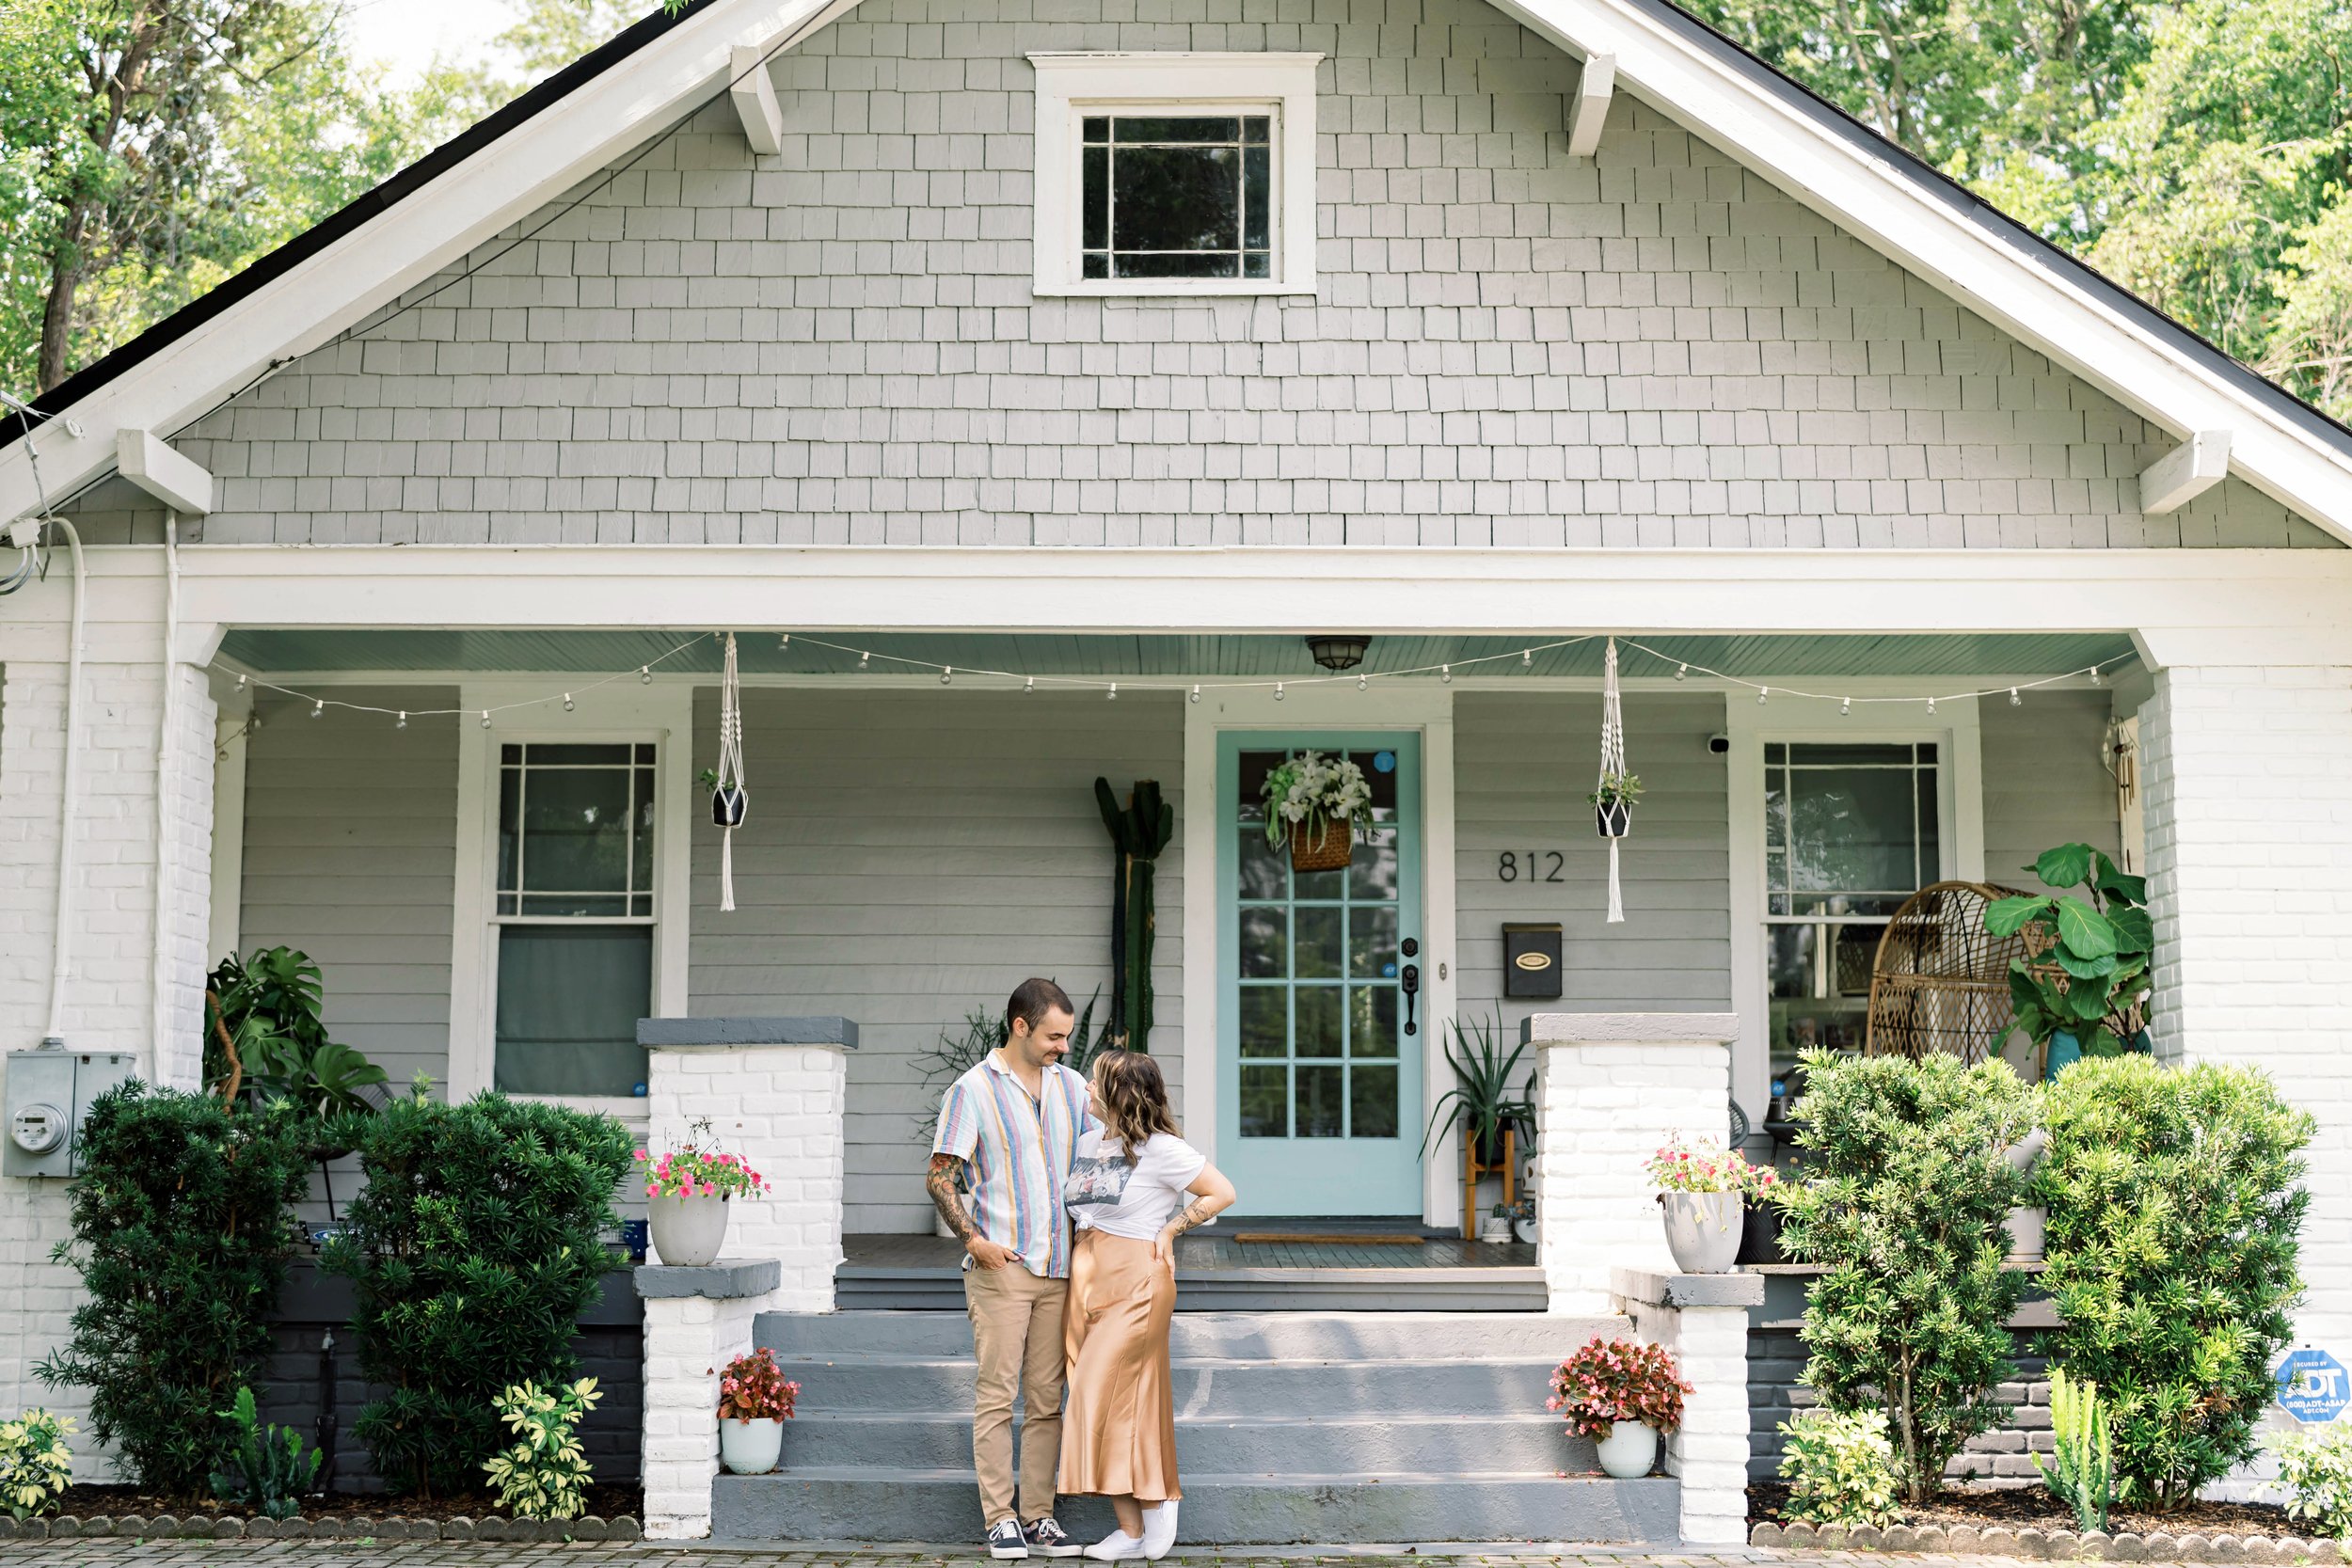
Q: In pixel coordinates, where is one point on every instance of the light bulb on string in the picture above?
(241, 680)
(864, 660)
(485, 718)
(1845, 707)
(567, 702)
(2014, 700)
(1527, 658)
(1682, 673)
(1931, 708)
(644, 675)
(1113, 691)
(1445, 674)
(318, 707)
(1278, 691)
(947, 675)
(1762, 692)
(1364, 683)
(1028, 686)
(2094, 674)
(1195, 692)
(784, 641)
(402, 722)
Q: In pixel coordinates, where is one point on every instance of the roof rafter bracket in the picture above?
(2186, 472)
(1590, 110)
(177, 481)
(754, 96)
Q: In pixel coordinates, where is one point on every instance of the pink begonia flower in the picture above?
(708, 1189)
(653, 1189)
(640, 1155)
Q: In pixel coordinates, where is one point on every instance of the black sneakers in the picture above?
(1046, 1538)
(1005, 1540)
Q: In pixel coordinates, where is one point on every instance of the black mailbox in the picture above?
(1531, 960)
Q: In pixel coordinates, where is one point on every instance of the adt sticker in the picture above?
(2313, 1387)
(1384, 762)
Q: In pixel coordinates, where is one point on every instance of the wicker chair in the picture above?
(1940, 981)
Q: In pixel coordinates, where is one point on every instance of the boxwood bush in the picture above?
(182, 1221)
(474, 1249)
(2174, 1208)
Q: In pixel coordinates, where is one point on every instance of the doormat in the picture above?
(1315, 1238)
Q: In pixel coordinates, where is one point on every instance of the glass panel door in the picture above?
(1319, 1083)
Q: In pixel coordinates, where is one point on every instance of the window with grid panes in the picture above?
(1176, 195)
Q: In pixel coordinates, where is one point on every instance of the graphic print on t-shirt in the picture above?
(1096, 1182)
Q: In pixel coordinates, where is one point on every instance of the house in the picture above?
(1021, 386)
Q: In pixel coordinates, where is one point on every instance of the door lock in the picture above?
(1409, 982)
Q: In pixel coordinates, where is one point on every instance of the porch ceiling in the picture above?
(1756, 657)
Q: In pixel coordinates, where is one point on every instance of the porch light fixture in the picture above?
(1336, 653)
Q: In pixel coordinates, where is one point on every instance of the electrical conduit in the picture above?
(161, 985)
(70, 794)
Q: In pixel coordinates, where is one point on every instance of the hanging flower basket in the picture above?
(1318, 805)
(1613, 803)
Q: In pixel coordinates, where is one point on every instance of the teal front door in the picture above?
(1319, 1078)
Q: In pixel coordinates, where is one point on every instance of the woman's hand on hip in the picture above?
(1164, 1248)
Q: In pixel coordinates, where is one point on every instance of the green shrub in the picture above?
(2174, 1208)
(543, 1475)
(183, 1220)
(267, 1468)
(36, 1466)
(2317, 1467)
(474, 1250)
(1841, 1470)
(1903, 1186)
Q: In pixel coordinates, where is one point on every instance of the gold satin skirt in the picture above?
(1119, 1434)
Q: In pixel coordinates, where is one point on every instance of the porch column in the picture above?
(773, 1090)
(1702, 1319)
(2249, 777)
(1610, 1089)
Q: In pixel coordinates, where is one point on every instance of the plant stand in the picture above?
(1473, 1169)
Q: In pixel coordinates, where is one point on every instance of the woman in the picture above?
(1127, 1191)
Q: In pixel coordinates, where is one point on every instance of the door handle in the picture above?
(1410, 983)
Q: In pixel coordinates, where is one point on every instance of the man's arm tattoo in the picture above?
(941, 1184)
(1196, 1212)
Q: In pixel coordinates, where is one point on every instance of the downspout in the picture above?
(163, 759)
(54, 1039)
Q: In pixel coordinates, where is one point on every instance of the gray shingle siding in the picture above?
(838, 344)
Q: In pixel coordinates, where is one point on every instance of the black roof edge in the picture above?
(1985, 215)
(369, 204)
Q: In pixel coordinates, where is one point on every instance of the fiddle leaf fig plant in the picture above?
(2086, 971)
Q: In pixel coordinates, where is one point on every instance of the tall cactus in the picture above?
(1140, 831)
(2082, 1472)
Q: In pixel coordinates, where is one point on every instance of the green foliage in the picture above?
(1905, 1185)
(1615, 787)
(2081, 1474)
(1140, 831)
(182, 1222)
(474, 1250)
(2317, 1467)
(544, 1474)
(36, 1466)
(1840, 1468)
(272, 1006)
(2087, 971)
(2174, 1210)
(954, 1056)
(1482, 1098)
(267, 1468)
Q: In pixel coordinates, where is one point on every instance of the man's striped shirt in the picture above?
(1018, 1150)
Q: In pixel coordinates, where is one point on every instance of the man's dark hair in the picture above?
(1032, 999)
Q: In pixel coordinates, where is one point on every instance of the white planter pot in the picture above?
(1628, 1451)
(686, 1231)
(2025, 1229)
(1703, 1229)
(1494, 1228)
(750, 1448)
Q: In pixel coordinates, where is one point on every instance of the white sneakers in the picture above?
(1118, 1546)
(1159, 1529)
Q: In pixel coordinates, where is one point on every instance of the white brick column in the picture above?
(1702, 1319)
(696, 1322)
(1610, 1089)
(2248, 777)
(774, 1089)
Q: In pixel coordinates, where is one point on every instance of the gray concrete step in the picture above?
(1243, 1336)
(820, 1505)
(1214, 1389)
(1369, 1443)
(865, 1287)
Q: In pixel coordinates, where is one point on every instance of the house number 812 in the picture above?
(1542, 865)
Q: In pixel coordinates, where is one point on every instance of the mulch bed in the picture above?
(124, 1510)
(89, 1503)
(2017, 1507)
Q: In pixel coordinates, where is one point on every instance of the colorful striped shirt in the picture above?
(1018, 1150)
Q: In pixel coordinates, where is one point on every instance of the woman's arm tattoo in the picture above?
(942, 1184)
(1196, 1212)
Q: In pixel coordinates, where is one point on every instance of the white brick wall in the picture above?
(1709, 1453)
(688, 1340)
(1610, 1089)
(781, 1107)
(2249, 862)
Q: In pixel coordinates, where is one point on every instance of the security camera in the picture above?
(1719, 743)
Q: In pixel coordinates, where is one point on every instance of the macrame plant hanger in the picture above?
(729, 800)
(1614, 821)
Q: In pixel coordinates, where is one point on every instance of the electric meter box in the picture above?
(49, 1092)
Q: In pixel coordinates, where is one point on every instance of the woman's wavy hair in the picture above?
(1134, 1098)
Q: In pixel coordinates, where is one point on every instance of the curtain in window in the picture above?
(569, 999)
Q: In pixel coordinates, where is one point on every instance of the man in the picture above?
(1008, 1128)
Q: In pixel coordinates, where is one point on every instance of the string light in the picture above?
(947, 675)
(644, 675)
(485, 718)
(1278, 691)
(2094, 674)
(402, 722)
(1527, 658)
(1683, 674)
(2014, 700)
(318, 708)
(1113, 691)
(1195, 692)
(864, 660)
(1762, 692)
(1931, 708)
(1845, 707)
(241, 680)
(1364, 683)
(567, 702)
(1445, 674)
(784, 641)
(1029, 685)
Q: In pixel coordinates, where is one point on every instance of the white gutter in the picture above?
(160, 985)
(67, 795)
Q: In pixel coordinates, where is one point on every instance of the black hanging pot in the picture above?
(1615, 818)
(729, 806)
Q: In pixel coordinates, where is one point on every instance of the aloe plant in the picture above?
(1480, 1097)
(2082, 1472)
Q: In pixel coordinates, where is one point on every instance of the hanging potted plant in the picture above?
(1317, 804)
(1704, 1191)
(1613, 803)
(755, 1400)
(1622, 1394)
(687, 1193)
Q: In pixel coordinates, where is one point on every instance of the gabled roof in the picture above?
(591, 113)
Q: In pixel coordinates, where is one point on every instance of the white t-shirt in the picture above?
(1104, 1193)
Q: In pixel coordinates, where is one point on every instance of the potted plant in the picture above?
(1498, 1225)
(1621, 1393)
(1613, 803)
(1702, 1190)
(687, 1193)
(2082, 988)
(755, 1400)
(1481, 1100)
(1317, 804)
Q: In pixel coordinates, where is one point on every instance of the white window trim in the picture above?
(1071, 85)
(663, 713)
(1955, 731)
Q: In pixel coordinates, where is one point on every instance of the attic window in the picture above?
(1175, 174)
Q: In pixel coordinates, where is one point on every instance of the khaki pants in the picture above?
(1017, 1341)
